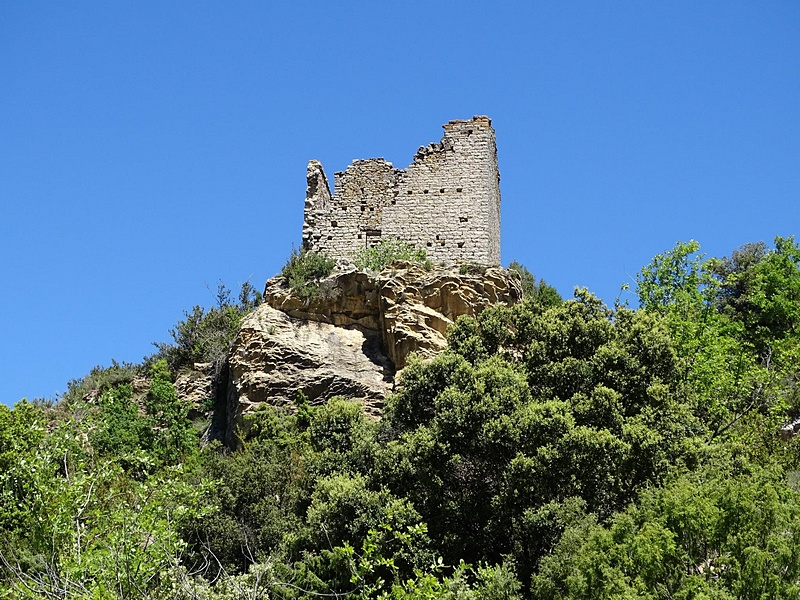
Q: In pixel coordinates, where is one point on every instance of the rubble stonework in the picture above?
(447, 202)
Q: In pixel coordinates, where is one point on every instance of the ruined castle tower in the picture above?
(446, 202)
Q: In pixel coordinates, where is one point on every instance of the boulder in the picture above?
(409, 306)
(349, 297)
(351, 338)
(275, 356)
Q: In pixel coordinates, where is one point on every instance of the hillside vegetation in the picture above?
(557, 449)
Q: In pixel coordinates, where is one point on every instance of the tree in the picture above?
(709, 534)
(676, 278)
(761, 289)
(532, 413)
(532, 290)
(734, 322)
(205, 335)
(22, 429)
(168, 416)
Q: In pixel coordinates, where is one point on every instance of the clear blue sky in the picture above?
(151, 149)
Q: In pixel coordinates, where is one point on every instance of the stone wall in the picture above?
(446, 202)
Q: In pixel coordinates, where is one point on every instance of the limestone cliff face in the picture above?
(417, 306)
(274, 356)
(350, 340)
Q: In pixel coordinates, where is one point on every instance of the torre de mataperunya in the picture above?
(447, 201)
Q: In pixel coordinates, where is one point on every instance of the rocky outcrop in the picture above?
(351, 338)
(197, 387)
(348, 298)
(417, 306)
(275, 356)
(408, 306)
(790, 429)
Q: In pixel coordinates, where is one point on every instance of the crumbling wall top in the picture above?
(447, 201)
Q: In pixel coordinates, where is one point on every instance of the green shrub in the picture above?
(387, 251)
(205, 335)
(304, 269)
(142, 442)
(100, 379)
(538, 292)
(472, 269)
(173, 437)
(121, 433)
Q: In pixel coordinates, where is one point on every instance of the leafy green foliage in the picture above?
(712, 536)
(304, 269)
(204, 336)
(90, 528)
(386, 251)
(174, 439)
(532, 290)
(735, 324)
(99, 379)
(557, 449)
(21, 431)
(143, 438)
(121, 433)
(531, 409)
(761, 289)
(674, 278)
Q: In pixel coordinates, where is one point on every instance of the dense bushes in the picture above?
(304, 269)
(708, 535)
(531, 409)
(205, 335)
(557, 449)
(537, 291)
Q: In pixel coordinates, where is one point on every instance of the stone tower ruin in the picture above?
(446, 202)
